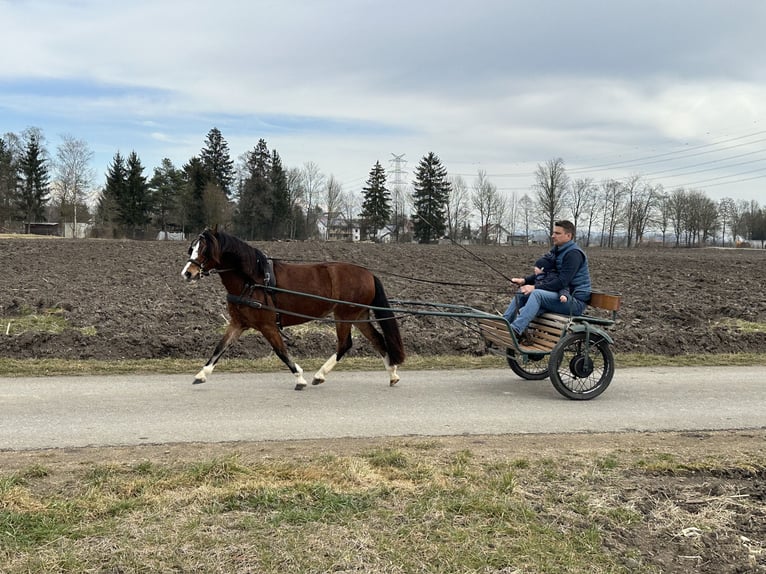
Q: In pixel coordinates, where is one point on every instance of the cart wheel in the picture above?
(579, 376)
(535, 369)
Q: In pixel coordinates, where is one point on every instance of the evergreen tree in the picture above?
(256, 209)
(109, 200)
(280, 217)
(193, 197)
(34, 192)
(376, 206)
(430, 198)
(136, 205)
(165, 188)
(9, 182)
(217, 162)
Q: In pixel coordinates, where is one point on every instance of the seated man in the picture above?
(573, 275)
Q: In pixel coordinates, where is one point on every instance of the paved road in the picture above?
(137, 409)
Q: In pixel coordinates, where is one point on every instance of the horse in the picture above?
(269, 294)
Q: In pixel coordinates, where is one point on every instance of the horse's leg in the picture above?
(233, 331)
(343, 331)
(274, 337)
(378, 342)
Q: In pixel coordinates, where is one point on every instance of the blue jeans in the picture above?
(537, 302)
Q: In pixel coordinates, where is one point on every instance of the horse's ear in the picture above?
(215, 229)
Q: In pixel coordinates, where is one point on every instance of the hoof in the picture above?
(392, 383)
(198, 381)
(317, 381)
(300, 387)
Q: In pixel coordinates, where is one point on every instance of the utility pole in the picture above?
(398, 162)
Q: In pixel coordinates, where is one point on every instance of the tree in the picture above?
(551, 182)
(280, 198)
(611, 197)
(582, 200)
(489, 205)
(430, 197)
(255, 209)
(217, 162)
(313, 186)
(458, 212)
(110, 199)
(376, 205)
(9, 183)
(193, 195)
(296, 194)
(73, 178)
(34, 192)
(166, 188)
(333, 200)
(135, 206)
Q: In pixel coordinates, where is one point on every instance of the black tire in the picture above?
(535, 369)
(577, 377)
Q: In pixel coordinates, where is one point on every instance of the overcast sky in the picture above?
(671, 90)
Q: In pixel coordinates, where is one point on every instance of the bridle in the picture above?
(204, 272)
(201, 266)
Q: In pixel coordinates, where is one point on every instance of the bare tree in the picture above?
(296, 194)
(550, 187)
(526, 207)
(313, 185)
(663, 214)
(73, 177)
(333, 199)
(458, 210)
(582, 200)
(489, 205)
(678, 207)
(511, 214)
(611, 197)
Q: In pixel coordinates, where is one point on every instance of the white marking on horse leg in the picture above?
(201, 377)
(393, 377)
(301, 382)
(328, 366)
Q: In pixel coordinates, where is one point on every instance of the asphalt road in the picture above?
(59, 412)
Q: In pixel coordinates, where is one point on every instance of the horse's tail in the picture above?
(388, 325)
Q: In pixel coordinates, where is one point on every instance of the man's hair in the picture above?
(566, 225)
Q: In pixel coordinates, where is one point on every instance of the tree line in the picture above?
(259, 199)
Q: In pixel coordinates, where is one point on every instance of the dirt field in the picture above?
(125, 299)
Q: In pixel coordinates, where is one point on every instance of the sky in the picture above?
(671, 90)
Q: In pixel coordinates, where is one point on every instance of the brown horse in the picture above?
(267, 295)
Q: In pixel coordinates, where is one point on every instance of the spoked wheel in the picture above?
(535, 369)
(578, 375)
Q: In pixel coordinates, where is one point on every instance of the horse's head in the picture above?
(204, 256)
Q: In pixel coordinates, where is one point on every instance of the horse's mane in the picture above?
(252, 262)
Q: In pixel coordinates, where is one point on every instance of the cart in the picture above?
(573, 350)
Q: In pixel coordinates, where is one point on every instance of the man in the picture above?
(573, 274)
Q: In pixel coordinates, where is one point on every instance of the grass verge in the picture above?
(405, 505)
(55, 367)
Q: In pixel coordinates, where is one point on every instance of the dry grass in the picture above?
(415, 505)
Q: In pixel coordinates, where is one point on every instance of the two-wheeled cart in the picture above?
(573, 350)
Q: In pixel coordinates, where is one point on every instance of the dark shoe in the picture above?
(523, 339)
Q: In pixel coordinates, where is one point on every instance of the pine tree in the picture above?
(376, 206)
(255, 209)
(430, 199)
(193, 196)
(136, 205)
(217, 162)
(34, 192)
(109, 200)
(9, 181)
(280, 217)
(165, 188)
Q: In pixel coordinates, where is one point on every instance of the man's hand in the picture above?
(527, 289)
(517, 280)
